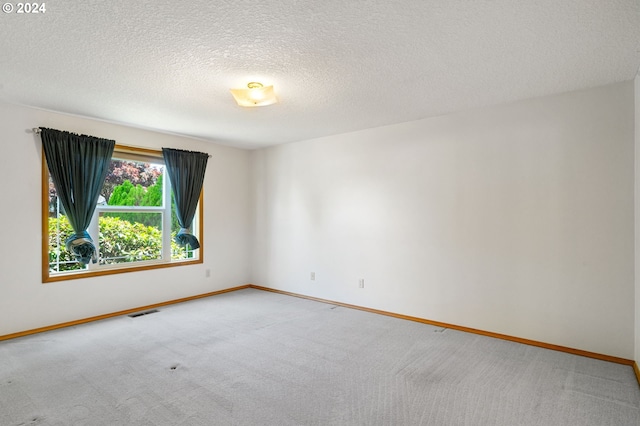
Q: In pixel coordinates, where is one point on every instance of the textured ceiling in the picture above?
(337, 66)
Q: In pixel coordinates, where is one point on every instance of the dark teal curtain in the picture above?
(186, 174)
(78, 165)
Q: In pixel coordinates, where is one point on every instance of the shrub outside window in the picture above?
(132, 227)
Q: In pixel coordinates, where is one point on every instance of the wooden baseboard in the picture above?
(346, 305)
(117, 314)
(466, 329)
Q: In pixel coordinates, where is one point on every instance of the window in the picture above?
(132, 227)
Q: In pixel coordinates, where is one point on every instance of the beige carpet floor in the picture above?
(257, 358)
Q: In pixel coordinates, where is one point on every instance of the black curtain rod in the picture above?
(37, 131)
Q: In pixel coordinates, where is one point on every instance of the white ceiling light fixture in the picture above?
(255, 95)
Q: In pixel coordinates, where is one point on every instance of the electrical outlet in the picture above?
(313, 276)
(361, 283)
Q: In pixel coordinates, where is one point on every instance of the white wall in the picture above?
(516, 219)
(26, 303)
(637, 217)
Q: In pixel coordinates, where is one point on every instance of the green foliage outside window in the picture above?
(119, 239)
(124, 236)
(59, 231)
(126, 194)
(123, 241)
(129, 236)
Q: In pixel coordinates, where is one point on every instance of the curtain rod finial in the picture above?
(36, 130)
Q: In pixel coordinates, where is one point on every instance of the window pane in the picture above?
(130, 237)
(133, 183)
(177, 252)
(60, 260)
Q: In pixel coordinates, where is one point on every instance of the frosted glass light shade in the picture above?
(255, 95)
